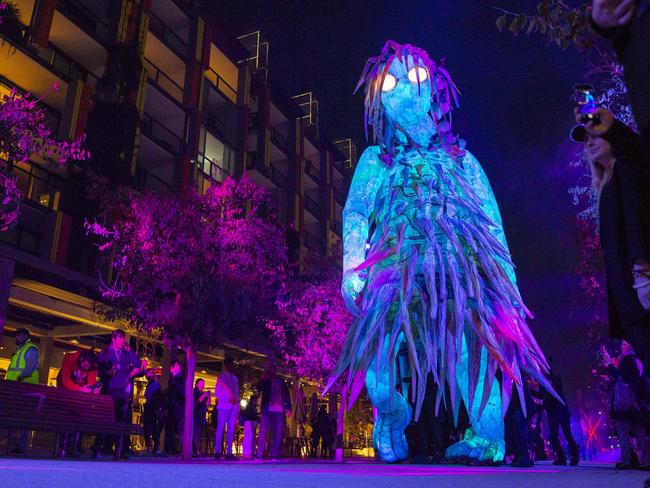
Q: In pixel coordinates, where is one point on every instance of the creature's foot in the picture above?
(474, 449)
(389, 440)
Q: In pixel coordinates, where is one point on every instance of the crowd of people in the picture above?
(113, 371)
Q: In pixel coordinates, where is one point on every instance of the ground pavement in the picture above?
(145, 473)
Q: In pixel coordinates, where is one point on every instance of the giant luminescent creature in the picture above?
(427, 271)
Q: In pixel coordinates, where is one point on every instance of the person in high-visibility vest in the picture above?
(24, 362)
(23, 367)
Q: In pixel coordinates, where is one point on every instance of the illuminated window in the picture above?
(223, 73)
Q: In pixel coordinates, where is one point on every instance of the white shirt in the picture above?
(227, 389)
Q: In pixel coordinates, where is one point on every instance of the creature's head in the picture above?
(403, 87)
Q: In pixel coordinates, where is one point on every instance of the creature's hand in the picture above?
(350, 289)
(613, 13)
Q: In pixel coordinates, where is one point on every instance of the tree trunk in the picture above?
(188, 424)
(340, 428)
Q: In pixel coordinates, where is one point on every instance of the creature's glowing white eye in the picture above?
(389, 83)
(421, 73)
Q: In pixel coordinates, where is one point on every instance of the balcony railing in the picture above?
(39, 186)
(160, 79)
(221, 85)
(144, 180)
(312, 206)
(312, 170)
(280, 141)
(279, 178)
(161, 135)
(210, 169)
(166, 34)
(92, 22)
(65, 66)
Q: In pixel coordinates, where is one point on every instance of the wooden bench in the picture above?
(45, 408)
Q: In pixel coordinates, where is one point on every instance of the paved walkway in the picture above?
(36, 473)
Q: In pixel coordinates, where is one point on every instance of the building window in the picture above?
(23, 239)
(216, 159)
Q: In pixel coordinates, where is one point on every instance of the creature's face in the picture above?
(403, 101)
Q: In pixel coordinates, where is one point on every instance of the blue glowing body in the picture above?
(427, 272)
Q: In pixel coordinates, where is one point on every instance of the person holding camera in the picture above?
(118, 367)
(620, 176)
(627, 24)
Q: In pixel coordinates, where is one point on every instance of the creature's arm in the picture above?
(358, 207)
(478, 179)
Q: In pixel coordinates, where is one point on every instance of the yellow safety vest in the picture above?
(17, 364)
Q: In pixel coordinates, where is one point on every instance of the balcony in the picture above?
(221, 85)
(270, 173)
(312, 206)
(161, 135)
(210, 169)
(90, 16)
(167, 35)
(163, 81)
(145, 180)
(312, 170)
(65, 66)
(280, 141)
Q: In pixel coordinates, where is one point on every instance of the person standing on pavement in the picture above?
(559, 417)
(250, 418)
(152, 415)
(201, 404)
(175, 418)
(118, 367)
(227, 395)
(23, 367)
(276, 403)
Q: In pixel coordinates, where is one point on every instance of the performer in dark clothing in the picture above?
(621, 178)
(175, 409)
(627, 24)
(559, 416)
(153, 415)
(517, 428)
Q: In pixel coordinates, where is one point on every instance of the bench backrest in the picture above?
(23, 400)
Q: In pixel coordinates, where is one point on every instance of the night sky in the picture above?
(515, 115)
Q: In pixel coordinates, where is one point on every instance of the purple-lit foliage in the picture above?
(312, 321)
(24, 132)
(201, 268)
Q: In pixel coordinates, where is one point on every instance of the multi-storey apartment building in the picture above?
(168, 101)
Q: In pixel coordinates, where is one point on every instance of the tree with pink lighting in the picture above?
(23, 133)
(312, 324)
(312, 321)
(200, 269)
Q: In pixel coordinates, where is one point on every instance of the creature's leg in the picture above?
(484, 440)
(393, 411)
